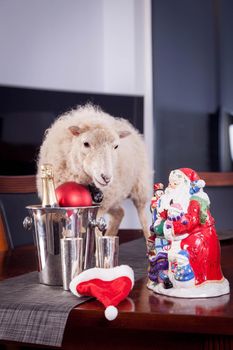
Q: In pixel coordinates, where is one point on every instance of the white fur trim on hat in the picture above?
(102, 274)
(111, 313)
(200, 183)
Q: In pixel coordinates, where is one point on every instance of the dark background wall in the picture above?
(193, 86)
(26, 113)
(226, 53)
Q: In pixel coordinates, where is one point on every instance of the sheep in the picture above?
(87, 145)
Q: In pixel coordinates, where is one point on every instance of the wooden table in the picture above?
(145, 320)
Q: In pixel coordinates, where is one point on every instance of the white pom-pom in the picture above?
(111, 313)
(201, 183)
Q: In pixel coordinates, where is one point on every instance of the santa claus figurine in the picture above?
(194, 253)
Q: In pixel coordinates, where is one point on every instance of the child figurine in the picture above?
(157, 245)
(194, 251)
(158, 192)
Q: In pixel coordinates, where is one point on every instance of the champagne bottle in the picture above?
(49, 198)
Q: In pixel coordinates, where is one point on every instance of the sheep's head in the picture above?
(95, 151)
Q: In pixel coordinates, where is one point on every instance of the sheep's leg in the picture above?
(116, 216)
(141, 209)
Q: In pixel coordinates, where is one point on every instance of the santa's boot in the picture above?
(166, 281)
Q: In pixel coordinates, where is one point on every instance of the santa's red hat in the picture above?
(192, 176)
(109, 286)
(158, 186)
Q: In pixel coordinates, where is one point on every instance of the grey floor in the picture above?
(134, 254)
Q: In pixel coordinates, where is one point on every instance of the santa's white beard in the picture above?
(179, 195)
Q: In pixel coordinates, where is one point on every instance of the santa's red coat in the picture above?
(202, 244)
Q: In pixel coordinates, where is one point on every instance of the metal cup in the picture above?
(107, 251)
(71, 259)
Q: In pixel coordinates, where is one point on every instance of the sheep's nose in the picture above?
(106, 178)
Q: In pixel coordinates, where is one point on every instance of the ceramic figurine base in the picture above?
(183, 249)
(207, 290)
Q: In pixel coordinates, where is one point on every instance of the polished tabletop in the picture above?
(143, 310)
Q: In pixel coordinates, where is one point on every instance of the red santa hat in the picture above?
(193, 176)
(109, 286)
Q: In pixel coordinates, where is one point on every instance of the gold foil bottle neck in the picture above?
(47, 171)
(49, 198)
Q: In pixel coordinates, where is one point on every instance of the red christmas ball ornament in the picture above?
(72, 194)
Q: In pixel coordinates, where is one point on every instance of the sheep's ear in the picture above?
(75, 130)
(124, 133)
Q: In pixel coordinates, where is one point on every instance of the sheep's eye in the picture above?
(86, 144)
(115, 147)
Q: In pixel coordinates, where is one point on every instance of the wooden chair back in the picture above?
(18, 184)
(217, 179)
(12, 185)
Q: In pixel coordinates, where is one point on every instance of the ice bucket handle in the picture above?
(27, 223)
(99, 223)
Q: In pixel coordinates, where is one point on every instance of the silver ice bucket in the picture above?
(53, 224)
